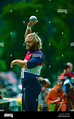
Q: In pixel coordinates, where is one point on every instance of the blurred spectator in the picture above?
(9, 84)
(67, 72)
(56, 96)
(45, 82)
(44, 91)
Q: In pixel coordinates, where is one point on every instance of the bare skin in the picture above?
(30, 24)
(29, 43)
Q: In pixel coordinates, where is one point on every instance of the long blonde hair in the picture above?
(36, 39)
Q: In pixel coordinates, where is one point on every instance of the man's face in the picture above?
(59, 87)
(29, 43)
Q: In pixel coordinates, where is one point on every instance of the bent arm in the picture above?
(21, 63)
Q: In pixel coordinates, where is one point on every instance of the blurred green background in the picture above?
(55, 27)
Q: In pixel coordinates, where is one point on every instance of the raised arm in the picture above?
(29, 25)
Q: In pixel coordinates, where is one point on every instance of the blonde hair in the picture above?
(36, 39)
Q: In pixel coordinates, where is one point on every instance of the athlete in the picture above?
(30, 69)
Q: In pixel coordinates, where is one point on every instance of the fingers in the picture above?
(12, 63)
(11, 66)
(32, 23)
(58, 99)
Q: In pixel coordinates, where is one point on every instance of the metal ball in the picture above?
(32, 18)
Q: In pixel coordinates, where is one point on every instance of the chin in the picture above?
(27, 48)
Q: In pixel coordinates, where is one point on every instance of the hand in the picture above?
(12, 63)
(41, 78)
(32, 23)
(58, 99)
(66, 71)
